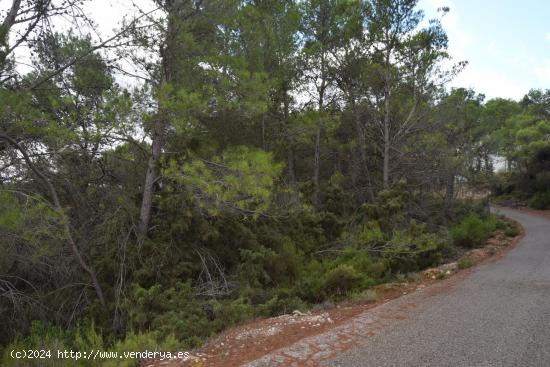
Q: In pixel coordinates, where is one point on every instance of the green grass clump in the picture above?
(465, 263)
(511, 231)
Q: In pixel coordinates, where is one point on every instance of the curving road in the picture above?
(497, 316)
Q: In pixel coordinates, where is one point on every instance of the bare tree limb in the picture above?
(103, 44)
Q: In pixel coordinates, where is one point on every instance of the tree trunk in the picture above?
(449, 193)
(363, 152)
(151, 176)
(59, 209)
(386, 167)
(290, 162)
(317, 168)
(289, 144)
(264, 146)
(159, 127)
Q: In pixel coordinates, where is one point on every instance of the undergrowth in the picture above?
(273, 267)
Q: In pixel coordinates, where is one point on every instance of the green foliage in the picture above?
(389, 206)
(340, 280)
(169, 311)
(252, 267)
(11, 217)
(370, 268)
(409, 251)
(81, 340)
(540, 200)
(241, 180)
(283, 302)
(465, 263)
(473, 231)
(231, 312)
(139, 342)
(309, 285)
(511, 230)
(45, 337)
(522, 138)
(241, 153)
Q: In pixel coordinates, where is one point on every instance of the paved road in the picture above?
(498, 316)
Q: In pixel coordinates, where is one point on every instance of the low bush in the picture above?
(309, 285)
(283, 302)
(231, 312)
(473, 231)
(340, 280)
(170, 310)
(82, 339)
(511, 231)
(464, 263)
(540, 201)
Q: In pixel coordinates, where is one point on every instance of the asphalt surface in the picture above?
(498, 316)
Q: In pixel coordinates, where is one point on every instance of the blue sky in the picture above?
(506, 42)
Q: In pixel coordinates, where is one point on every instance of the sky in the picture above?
(506, 44)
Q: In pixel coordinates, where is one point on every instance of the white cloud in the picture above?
(492, 49)
(490, 83)
(543, 71)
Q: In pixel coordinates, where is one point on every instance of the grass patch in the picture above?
(366, 296)
(465, 263)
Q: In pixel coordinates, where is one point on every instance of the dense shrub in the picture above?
(540, 200)
(230, 312)
(83, 339)
(283, 302)
(367, 267)
(340, 280)
(473, 231)
(309, 285)
(276, 266)
(511, 231)
(170, 310)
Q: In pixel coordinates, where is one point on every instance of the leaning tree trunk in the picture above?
(159, 128)
(65, 220)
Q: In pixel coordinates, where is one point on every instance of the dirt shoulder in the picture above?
(267, 341)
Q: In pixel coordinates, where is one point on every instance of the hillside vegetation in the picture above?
(218, 161)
